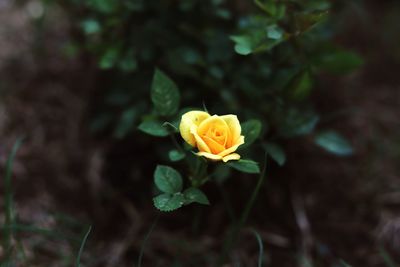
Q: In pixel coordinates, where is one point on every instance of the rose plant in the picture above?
(207, 138)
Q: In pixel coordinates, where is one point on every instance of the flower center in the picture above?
(216, 138)
(216, 134)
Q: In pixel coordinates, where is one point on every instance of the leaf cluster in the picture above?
(263, 62)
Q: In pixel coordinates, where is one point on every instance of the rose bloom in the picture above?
(216, 137)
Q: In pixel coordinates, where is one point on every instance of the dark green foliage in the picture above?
(276, 152)
(333, 142)
(154, 128)
(176, 155)
(339, 61)
(251, 130)
(169, 202)
(195, 195)
(164, 94)
(297, 123)
(263, 61)
(245, 165)
(167, 179)
(170, 182)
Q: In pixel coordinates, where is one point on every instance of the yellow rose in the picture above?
(216, 137)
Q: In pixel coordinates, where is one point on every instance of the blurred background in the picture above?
(323, 77)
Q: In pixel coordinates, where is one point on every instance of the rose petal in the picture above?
(233, 148)
(213, 120)
(201, 145)
(214, 146)
(209, 155)
(188, 119)
(233, 156)
(233, 125)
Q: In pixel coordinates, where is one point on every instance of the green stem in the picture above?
(83, 243)
(254, 195)
(139, 263)
(176, 144)
(234, 233)
(200, 176)
(8, 200)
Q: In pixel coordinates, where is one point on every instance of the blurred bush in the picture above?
(256, 59)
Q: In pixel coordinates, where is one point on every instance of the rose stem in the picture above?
(234, 233)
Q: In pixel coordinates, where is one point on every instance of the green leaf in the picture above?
(251, 130)
(169, 202)
(126, 123)
(167, 179)
(164, 94)
(243, 44)
(316, 5)
(334, 143)
(176, 155)
(272, 8)
(274, 32)
(91, 26)
(298, 123)
(339, 61)
(154, 128)
(276, 152)
(109, 58)
(258, 39)
(103, 6)
(244, 165)
(195, 195)
(301, 86)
